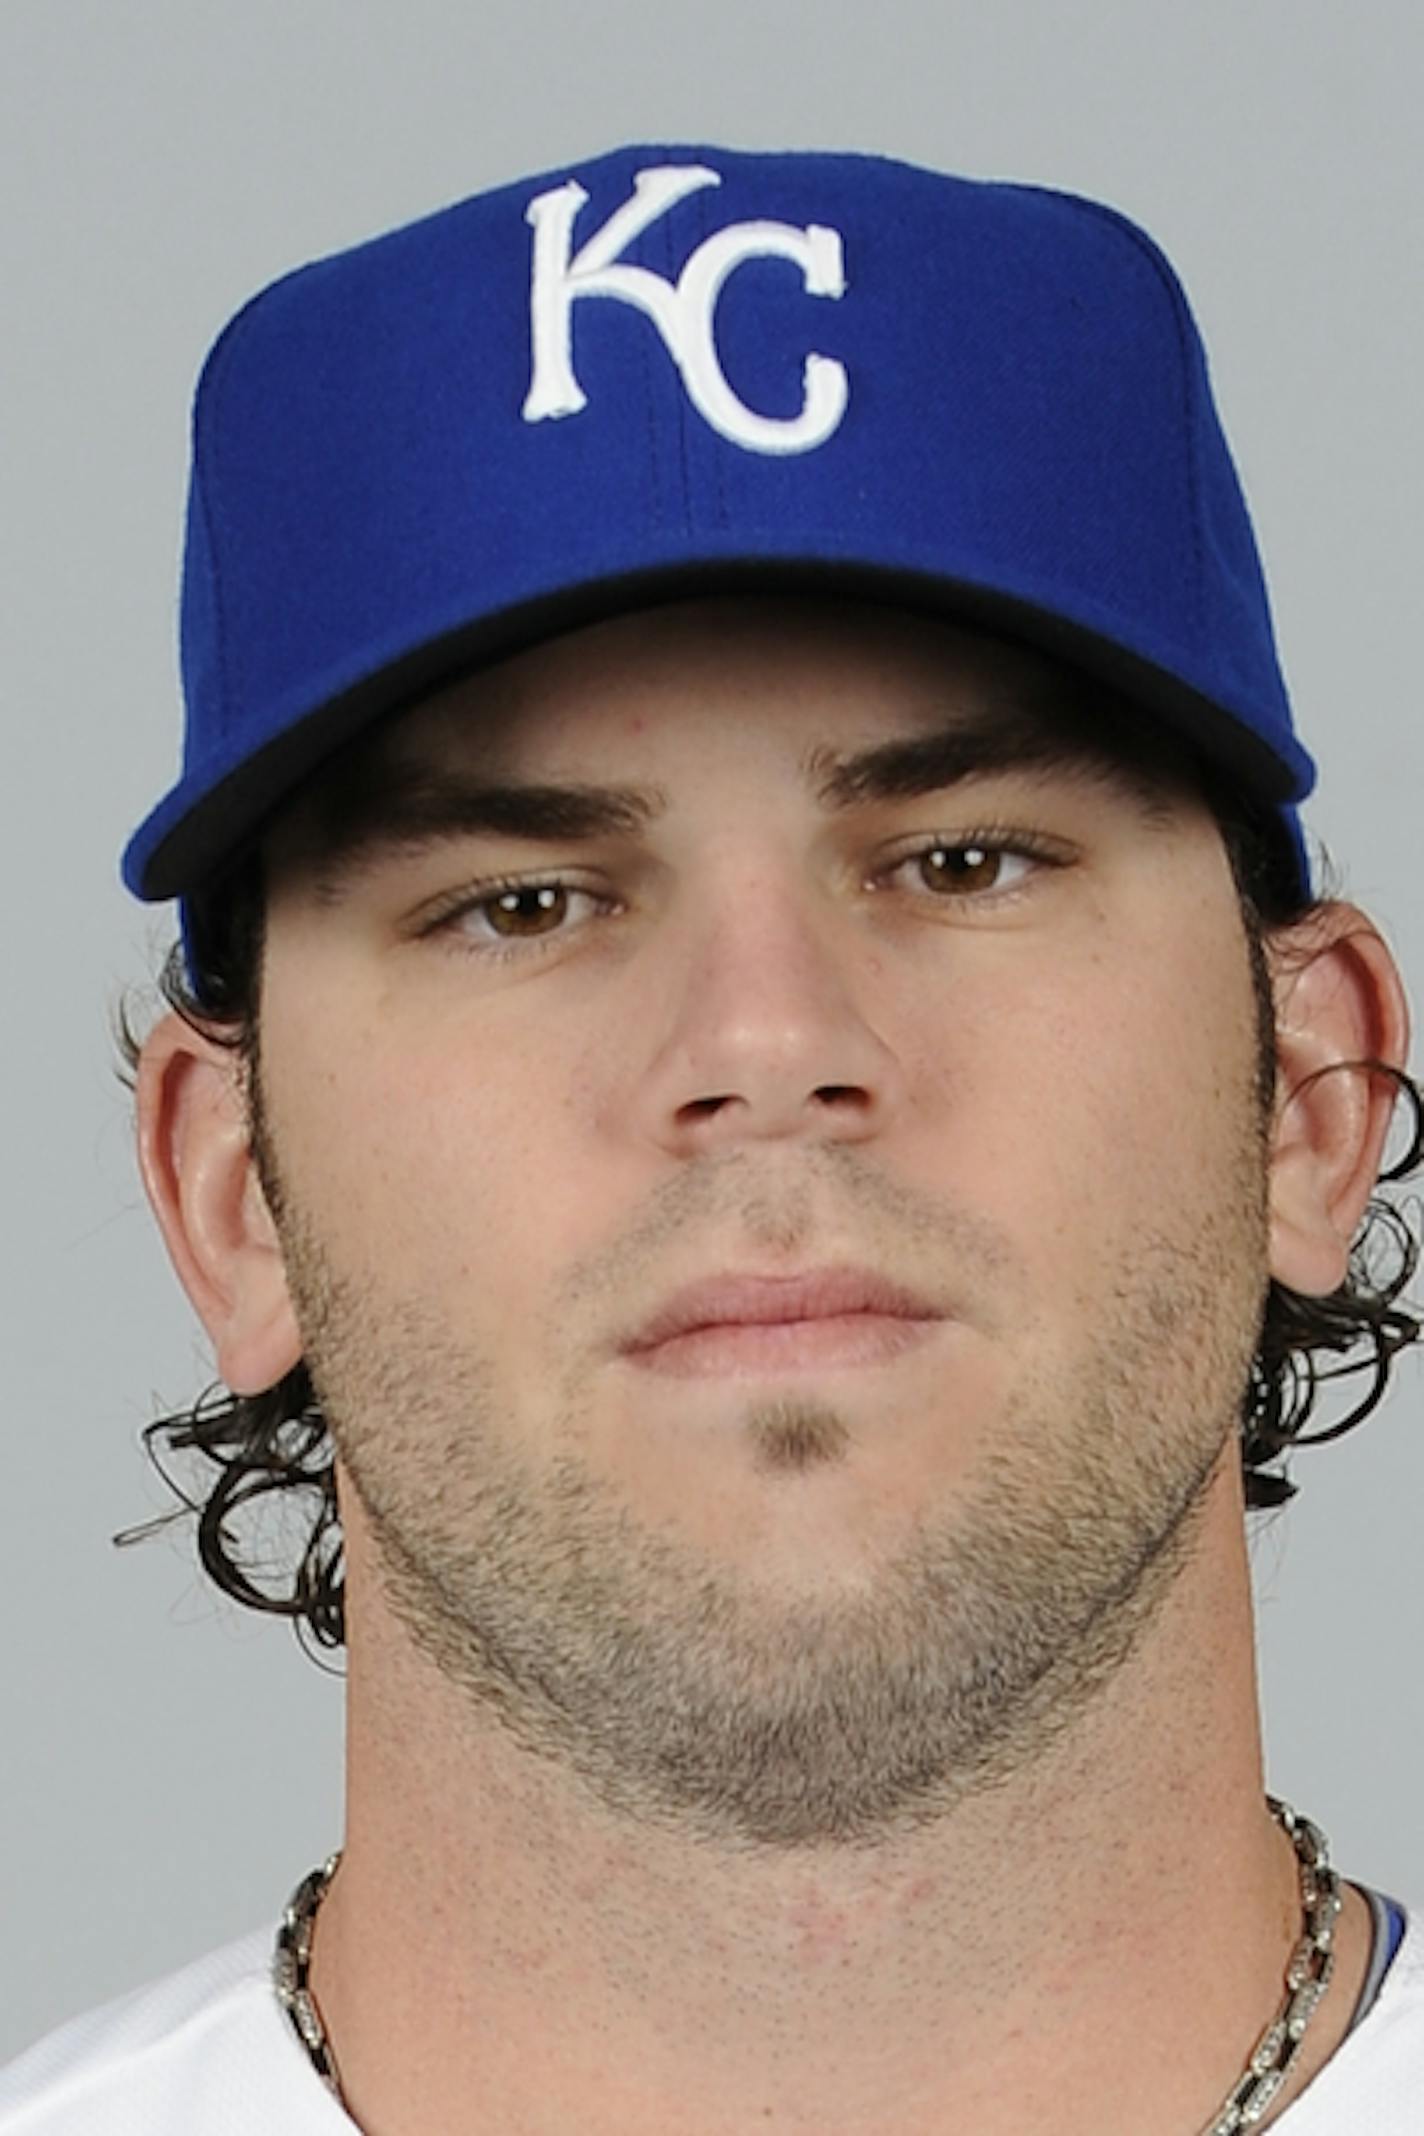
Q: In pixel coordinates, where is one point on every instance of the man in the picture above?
(754, 1045)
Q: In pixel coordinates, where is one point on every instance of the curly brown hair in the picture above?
(274, 1447)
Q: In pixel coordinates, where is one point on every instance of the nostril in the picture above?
(704, 1108)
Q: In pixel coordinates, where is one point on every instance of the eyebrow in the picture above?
(385, 809)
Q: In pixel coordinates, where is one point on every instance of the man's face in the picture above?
(971, 1019)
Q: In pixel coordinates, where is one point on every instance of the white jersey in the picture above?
(206, 2052)
(209, 2052)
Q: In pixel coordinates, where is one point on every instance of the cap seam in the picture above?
(212, 393)
(215, 585)
(1171, 287)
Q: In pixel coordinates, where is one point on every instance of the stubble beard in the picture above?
(728, 1711)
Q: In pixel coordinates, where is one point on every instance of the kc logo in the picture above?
(684, 312)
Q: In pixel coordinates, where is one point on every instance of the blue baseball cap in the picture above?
(678, 370)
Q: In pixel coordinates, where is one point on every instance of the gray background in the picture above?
(169, 1769)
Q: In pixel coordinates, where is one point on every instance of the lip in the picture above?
(837, 1315)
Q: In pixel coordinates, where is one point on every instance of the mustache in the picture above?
(812, 1202)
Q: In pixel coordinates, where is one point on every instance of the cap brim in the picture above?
(200, 827)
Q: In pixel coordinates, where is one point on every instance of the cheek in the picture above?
(455, 1168)
(1118, 1090)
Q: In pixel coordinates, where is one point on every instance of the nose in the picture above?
(768, 1031)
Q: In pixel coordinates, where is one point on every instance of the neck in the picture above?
(1094, 1945)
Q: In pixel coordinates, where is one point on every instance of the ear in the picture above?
(1339, 1007)
(195, 1155)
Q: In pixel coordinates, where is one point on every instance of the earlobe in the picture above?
(1341, 1020)
(196, 1159)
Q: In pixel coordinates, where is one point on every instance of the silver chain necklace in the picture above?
(1308, 1973)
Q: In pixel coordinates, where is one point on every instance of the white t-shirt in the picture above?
(209, 2052)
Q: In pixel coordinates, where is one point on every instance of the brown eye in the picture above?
(539, 908)
(506, 919)
(948, 869)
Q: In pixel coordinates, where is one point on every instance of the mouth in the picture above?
(743, 1324)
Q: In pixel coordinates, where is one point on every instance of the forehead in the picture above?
(762, 652)
(830, 678)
